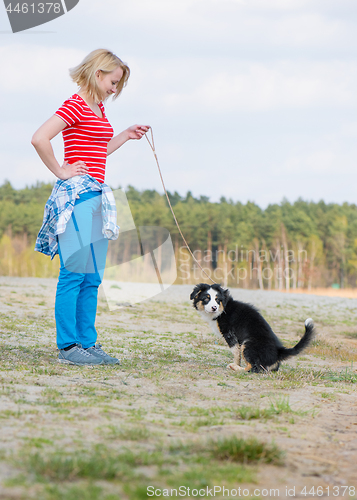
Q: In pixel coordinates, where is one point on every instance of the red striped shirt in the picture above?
(86, 136)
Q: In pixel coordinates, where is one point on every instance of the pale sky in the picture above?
(248, 99)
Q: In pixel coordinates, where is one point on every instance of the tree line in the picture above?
(284, 246)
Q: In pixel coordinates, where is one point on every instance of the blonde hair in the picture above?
(104, 61)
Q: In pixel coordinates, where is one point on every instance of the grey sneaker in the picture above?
(97, 351)
(78, 356)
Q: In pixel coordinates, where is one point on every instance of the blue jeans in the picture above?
(82, 250)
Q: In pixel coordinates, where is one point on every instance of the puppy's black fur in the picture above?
(245, 330)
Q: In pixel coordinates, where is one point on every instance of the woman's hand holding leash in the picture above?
(133, 132)
(137, 131)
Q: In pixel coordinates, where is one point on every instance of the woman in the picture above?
(81, 208)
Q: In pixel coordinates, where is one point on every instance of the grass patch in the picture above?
(335, 351)
(245, 451)
(278, 406)
(232, 449)
(10, 414)
(13, 356)
(205, 422)
(208, 474)
(351, 335)
(102, 463)
(135, 433)
(98, 463)
(302, 376)
(348, 376)
(253, 412)
(328, 395)
(83, 492)
(37, 442)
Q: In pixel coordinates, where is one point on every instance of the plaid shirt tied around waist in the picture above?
(60, 205)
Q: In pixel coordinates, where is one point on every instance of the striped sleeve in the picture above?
(70, 112)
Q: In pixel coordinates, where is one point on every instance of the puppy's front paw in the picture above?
(235, 367)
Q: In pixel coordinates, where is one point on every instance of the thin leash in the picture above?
(152, 145)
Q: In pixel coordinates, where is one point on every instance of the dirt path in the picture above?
(172, 415)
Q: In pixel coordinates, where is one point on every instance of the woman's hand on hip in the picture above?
(137, 131)
(70, 170)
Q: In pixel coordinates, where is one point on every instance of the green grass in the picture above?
(324, 349)
(134, 433)
(232, 449)
(98, 463)
(244, 451)
(208, 474)
(279, 405)
(351, 335)
(102, 473)
(301, 376)
(214, 459)
(209, 421)
(328, 395)
(347, 376)
(37, 442)
(79, 492)
(10, 414)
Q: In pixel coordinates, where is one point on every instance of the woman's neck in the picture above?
(87, 97)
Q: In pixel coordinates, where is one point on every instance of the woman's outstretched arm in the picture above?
(133, 132)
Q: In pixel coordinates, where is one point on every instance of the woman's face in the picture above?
(107, 82)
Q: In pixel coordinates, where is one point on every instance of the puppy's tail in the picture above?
(284, 353)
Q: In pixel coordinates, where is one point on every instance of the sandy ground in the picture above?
(349, 293)
(173, 382)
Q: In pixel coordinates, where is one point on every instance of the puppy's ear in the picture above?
(226, 295)
(198, 289)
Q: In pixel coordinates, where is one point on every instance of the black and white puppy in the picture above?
(245, 330)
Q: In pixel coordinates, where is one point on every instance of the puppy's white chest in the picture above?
(212, 322)
(215, 329)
